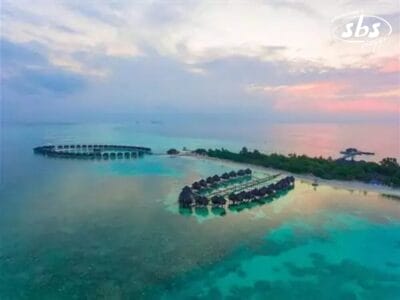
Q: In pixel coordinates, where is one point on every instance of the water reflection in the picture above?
(218, 211)
(105, 230)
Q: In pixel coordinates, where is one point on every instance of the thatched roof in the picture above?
(210, 180)
(196, 185)
(202, 201)
(216, 178)
(186, 197)
(203, 183)
(218, 200)
(241, 173)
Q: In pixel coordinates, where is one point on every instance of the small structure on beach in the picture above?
(351, 153)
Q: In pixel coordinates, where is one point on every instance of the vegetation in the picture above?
(172, 151)
(200, 151)
(387, 172)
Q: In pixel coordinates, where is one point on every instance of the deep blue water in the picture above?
(74, 229)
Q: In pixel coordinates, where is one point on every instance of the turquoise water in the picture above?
(112, 230)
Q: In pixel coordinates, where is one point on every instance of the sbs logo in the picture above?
(359, 28)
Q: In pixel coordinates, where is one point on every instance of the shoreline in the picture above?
(348, 185)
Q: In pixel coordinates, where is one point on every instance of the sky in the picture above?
(66, 60)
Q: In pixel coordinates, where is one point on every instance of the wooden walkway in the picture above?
(240, 186)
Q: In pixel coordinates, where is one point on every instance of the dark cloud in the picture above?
(27, 71)
(16, 54)
(51, 81)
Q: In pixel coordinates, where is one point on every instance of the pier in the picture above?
(92, 151)
(240, 186)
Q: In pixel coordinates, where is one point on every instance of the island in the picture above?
(386, 172)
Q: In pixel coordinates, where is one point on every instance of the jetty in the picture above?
(92, 151)
(241, 186)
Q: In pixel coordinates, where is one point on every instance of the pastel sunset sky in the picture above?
(71, 60)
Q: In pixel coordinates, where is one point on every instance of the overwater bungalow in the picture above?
(196, 185)
(255, 192)
(241, 173)
(225, 176)
(216, 178)
(263, 191)
(203, 183)
(242, 196)
(248, 196)
(232, 174)
(201, 201)
(234, 198)
(214, 185)
(247, 171)
(210, 180)
(218, 200)
(271, 190)
(186, 197)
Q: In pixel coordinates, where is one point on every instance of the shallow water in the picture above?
(112, 230)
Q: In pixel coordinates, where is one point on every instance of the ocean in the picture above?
(82, 229)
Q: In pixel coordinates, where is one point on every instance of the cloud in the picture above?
(51, 81)
(347, 90)
(197, 32)
(27, 72)
(390, 65)
(310, 90)
(248, 57)
(64, 32)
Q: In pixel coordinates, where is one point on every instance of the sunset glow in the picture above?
(277, 57)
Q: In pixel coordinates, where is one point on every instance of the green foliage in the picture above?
(200, 151)
(172, 151)
(387, 172)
